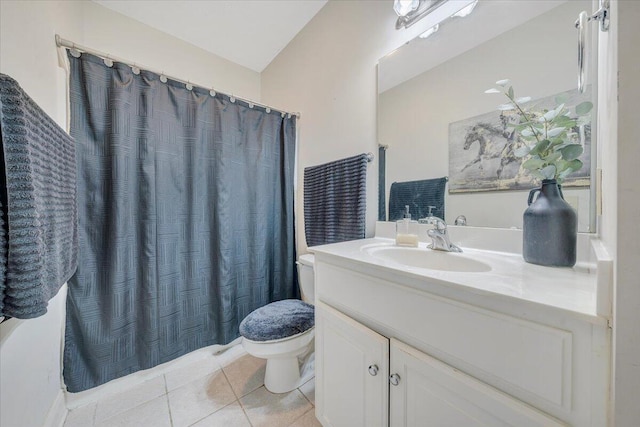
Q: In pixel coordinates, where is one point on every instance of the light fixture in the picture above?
(404, 7)
(411, 11)
(465, 11)
(429, 32)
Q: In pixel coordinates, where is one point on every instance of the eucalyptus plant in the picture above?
(551, 146)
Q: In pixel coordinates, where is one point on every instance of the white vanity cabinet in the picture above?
(459, 357)
(360, 374)
(352, 370)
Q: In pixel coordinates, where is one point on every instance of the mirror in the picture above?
(435, 119)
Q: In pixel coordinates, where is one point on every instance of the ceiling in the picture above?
(248, 32)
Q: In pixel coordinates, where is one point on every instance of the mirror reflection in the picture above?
(435, 119)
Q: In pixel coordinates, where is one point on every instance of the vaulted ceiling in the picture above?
(248, 32)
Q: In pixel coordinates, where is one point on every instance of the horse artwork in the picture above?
(481, 151)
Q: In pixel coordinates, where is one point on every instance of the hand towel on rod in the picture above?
(418, 195)
(335, 200)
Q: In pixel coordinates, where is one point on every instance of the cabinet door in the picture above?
(434, 394)
(352, 361)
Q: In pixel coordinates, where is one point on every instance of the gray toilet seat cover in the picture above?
(278, 320)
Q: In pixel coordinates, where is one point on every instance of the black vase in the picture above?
(549, 228)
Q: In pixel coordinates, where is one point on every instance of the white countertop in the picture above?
(570, 289)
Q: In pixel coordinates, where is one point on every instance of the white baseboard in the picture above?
(57, 413)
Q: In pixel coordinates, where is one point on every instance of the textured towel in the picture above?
(41, 227)
(3, 254)
(335, 201)
(419, 195)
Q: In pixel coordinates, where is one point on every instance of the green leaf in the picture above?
(583, 108)
(506, 107)
(510, 91)
(522, 151)
(522, 126)
(568, 169)
(575, 165)
(572, 151)
(550, 115)
(556, 142)
(553, 157)
(564, 121)
(561, 165)
(548, 172)
(503, 82)
(523, 99)
(552, 133)
(540, 147)
(533, 164)
(492, 90)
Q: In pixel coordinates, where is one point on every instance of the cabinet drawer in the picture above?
(523, 358)
(432, 393)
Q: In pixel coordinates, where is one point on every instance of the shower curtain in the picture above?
(185, 204)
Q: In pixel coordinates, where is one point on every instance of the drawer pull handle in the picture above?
(394, 379)
(373, 370)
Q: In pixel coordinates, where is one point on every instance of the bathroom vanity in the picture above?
(415, 337)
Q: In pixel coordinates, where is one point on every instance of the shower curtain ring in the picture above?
(189, 86)
(232, 98)
(107, 61)
(135, 69)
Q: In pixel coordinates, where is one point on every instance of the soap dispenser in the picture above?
(407, 230)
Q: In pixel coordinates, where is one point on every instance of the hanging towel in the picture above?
(41, 223)
(335, 201)
(418, 195)
(3, 254)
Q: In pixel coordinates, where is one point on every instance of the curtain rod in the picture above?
(60, 42)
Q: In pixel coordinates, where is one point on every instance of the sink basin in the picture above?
(429, 259)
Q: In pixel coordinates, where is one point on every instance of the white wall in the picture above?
(328, 73)
(30, 351)
(626, 217)
(414, 117)
(111, 32)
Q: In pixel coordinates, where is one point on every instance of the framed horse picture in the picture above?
(481, 150)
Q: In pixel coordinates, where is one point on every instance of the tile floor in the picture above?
(225, 390)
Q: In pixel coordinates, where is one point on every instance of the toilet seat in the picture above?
(278, 320)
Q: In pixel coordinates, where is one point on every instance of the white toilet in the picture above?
(285, 332)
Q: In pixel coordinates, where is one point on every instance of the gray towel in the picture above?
(41, 227)
(3, 254)
(419, 195)
(335, 201)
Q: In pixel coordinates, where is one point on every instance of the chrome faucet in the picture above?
(439, 235)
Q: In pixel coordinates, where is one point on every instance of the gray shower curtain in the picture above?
(185, 205)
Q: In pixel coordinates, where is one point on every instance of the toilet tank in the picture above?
(306, 278)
